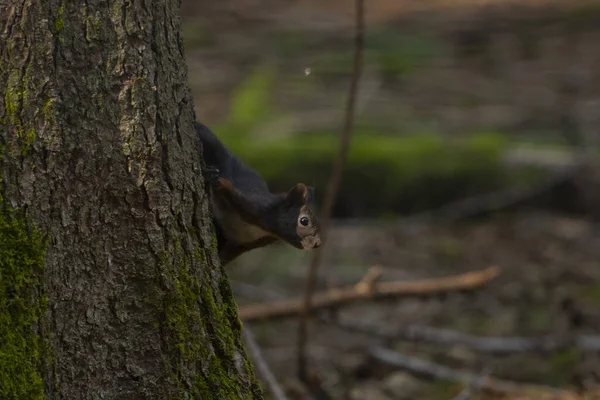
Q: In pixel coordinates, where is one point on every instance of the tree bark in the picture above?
(126, 299)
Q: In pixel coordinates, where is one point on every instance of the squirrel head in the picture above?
(297, 221)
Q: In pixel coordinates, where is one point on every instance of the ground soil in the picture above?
(549, 284)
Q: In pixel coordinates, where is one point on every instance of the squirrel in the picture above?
(246, 214)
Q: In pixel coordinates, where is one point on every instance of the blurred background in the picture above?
(495, 101)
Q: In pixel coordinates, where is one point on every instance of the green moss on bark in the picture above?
(11, 104)
(59, 23)
(203, 330)
(22, 306)
(16, 99)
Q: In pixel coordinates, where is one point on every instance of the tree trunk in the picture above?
(110, 286)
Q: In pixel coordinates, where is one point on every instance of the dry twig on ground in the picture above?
(433, 370)
(489, 344)
(262, 366)
(490, 202)
(339, 296)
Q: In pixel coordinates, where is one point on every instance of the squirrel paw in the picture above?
(211, 175)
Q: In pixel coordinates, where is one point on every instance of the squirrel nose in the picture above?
(317, 243)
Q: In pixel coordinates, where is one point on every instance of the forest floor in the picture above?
(548, 285)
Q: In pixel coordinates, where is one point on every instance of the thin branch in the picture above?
(489, 344)
(433, 370)
(491, 202)
(367, 283)
(332, 189)
(344, 295)
(262, 366)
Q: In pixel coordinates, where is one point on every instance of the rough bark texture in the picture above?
(98, 152)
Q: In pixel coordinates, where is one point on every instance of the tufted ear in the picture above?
(297, 195)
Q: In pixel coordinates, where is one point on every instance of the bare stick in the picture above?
(489, 344)
(332, 189)
(490, 202)
(262, 365)
(367, 283)
(422, 367)
(339, 296)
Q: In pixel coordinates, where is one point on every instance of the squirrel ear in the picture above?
(298, 194)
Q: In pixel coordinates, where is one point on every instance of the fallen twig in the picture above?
(367, 283)
(433, 370)
(490, 202)
(332, 189)
(339, 296)
(262, 366)
(489, 344)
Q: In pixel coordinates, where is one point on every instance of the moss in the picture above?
(409, 173)
(214, 244)
(13, 97)
(93, 24)
(59, 23)
(193, 310)
(49, 110)
(11, 104)
(15, 100)
(27, 140)
(89, 26)
(22, 306)
(181, 320)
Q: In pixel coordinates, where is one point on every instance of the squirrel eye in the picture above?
(304, 221)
